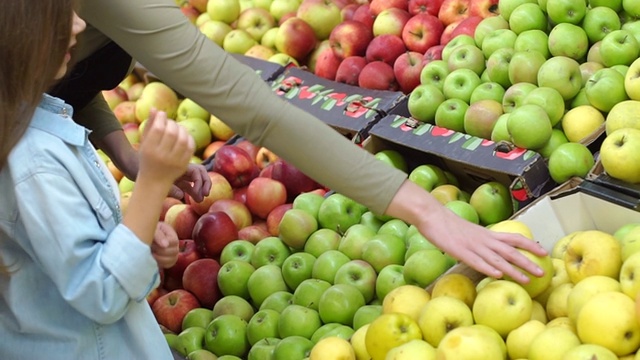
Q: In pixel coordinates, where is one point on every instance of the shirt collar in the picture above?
(61, 125)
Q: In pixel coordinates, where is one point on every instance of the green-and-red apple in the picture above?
(233, 305)
(295, 227)
(481, 117)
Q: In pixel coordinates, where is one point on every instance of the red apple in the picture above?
(447, 33)
(236, 165)
(155, 294)
(378, 75)
(220, 189)
(115, 96)
(265, 157)
(466, 26)
(364, 15)
(182, 218)
(294, 180)
(295, 38)
(170, 308)
(407, 69)
(190, 12)
(274, 217)
(421, 32)
(249, 147)
(286, 17)
(483, 8)
(348, 10)
(264, 194)
(166, 204)
(433, 53)
(341, 4)
(201, 279)
(240, 194)
(200, 5)
(385, 48)
(187, 253)
(237, 211)
(213, 231)
(253, 233)
(453, 10)
(125, 112)
(350, 38)
(424, 6)
(377, 6)
(350, 69)
(327, 64)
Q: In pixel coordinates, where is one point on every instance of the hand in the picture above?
(164, 247)
(195, 182)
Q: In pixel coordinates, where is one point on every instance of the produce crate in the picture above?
(267, 70)
(472, 159)
(599, 176)
(350, 110)
(575, 205)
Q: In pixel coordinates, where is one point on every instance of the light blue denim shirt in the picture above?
(79, 278)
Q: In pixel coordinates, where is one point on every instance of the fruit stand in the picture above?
(518, 115)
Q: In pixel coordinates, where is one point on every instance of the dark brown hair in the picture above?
(34, 36)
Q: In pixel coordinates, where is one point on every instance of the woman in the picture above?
(159, 36)
(77, 271)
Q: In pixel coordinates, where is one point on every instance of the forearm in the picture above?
(143, 210)
(120, 151)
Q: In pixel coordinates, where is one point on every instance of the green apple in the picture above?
(533, 40)
(528, 16)
(529, 126)
(524, 66)
(537, 285)
(579, 100)
(487, 91)
(199, 130)
(464, 210)
(450, 115)
(215, 30)
(233, 305)
(238, 41)
(566, 11)
(563, 74)
(389, 278)
(557, 138)
(506, 7)
(460, 83)
(191, 339)
(263, 349)
(424, 101)
(332, 329)
(515, 94)
(297, 268)
(365, 315)
(467, 56)
(309, 291)
(500, 38)
(498, 66)
(298, 320)
(372, 220)
(619, 154)
(233, 277)
(631, 7)
(428, 176)
(292, 347)
(240, 250)
(568, 40)
(322, 240)
(424, 266)
(623, 230)
(265, 281)
(383, 250)
(500, 132)
(227, 335)
(417, 242)
(309, 202)
(619, 47)
(295, 228)
(204, 354)
(492, 200)
(615, 5)
(434, 73)
(198, 317)
(226, 11)
(361, 275)
(633, 27)
(339, 303)
(488, 25)
(327, 264)
(396, 227)
(190, 109)
(549, 99)
(277, 301)
(599, 21)
(339, 212)
(605, 88)
(263, 325)
(256, 21)
(448, 48)
(354, 239)
(269, 251)
(282, 58)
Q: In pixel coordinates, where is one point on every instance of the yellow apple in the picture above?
(219, 129)
(358, 344)
(493, 334)
(632, 80)
(519, 339)
(560, 277)
(590, 351)
(536, 285)
(159, 96)
(619, 154)
(557, 301)
(563, 322)
(388, 331)
(471, 342)
(448, 192)
(538, 312)
(506, 298)
(560, 247)
(482, 283)
(552, 344)
(455, 285)
(593, 252)
(332, 348)
(441, 315)
(586, 289)
(630, 241)
(405, 299)
(609, 319)
(412, 350)
(512, 226)
(581, 121)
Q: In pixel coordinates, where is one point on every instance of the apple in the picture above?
(339, 303)
(498, 39)
(389, 331)
(497, 67)
(353, 240)
(233, 277)
(383, 250)
(198, 317)
(159, 96)
(483, 8)
(327, 264)
(449, 192)
(423, 102)
(515, 94)
(566, 11)
(533, 40)
(386, 48)
(264, 194)
(364, 15)
(492, 201)
(465, 27)
(589, 246)
(220, 189)
(619, 47)
(321, 241)
(605, 81)
(321, 15)
(296, 268)
(294, 180)
(182, 218)
(568, 40)
(563, 74)
(524, 66)
(308, 292)
(466, 56)
(424, 266)
(326, 65)
(262, 326)
(599, 21)
(296, 38)
(452, 11)
(270, 250)
(226, 335)
(338, 212)
(407, 70)
(187, 253)
(171, 308)
(348, 10)
(450, 114)
(264, 281)
(238, 41)
(275, 217)
(487, 26)
(464, 342)
(293, 347)
(215, 31)
(359, 274)
(420, 6)
(421, 32)
(549, 99)
(460, 83)
(277, 301)
(332, 330)
(349, 70)
(510, 298)
(390, 21)
(125, 112)
(201, 279)
(463, 209)
(377, 6)
(481, 117)
(434, 72)
(115, 96)
(617, 154)
(441, 315)
(433, 53)
(378, 75)
(521, 122)
(527, 16)
(237, 211)
(282, 9)
(236, 165)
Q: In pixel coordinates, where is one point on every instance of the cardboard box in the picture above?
(348, 109)
(267, 70)
(575, 205)
(473, 160)
(599, 176)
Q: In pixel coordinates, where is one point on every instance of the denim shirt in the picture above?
(79, 278)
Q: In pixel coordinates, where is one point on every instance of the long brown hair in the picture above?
(34, 36)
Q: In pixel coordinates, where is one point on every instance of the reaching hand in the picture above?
(165, 245)
(195, 182)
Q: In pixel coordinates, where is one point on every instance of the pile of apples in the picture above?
(543, 76)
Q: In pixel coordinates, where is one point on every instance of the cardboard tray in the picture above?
(599, 176)
(267, 70)
(575, 205)
(350, 110)
(472, 159)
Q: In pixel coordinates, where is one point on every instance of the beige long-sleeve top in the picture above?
(157, 35)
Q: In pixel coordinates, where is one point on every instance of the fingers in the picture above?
(197, 183)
